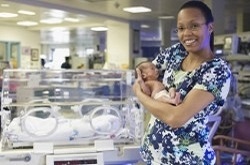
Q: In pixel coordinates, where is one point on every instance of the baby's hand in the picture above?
(142, 84)
(172, 92)
(177, 99)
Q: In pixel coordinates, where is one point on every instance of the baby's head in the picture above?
(148, 70)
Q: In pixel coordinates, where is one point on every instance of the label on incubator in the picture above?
(104, 145)
(43, 147)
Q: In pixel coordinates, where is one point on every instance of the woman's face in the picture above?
(192, 30)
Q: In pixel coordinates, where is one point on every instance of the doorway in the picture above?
(59, 55)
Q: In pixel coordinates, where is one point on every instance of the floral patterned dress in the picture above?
(186, 145)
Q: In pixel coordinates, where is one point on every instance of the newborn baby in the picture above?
(151, 86)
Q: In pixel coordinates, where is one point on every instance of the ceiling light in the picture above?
(27, 23)
(137, 9)
(51, 21)
(99, 29)
(56, 13)
(166, 17)
(144, 26)
(71, 19)
(26, 12)
(5, 5)
(58, 29)
(8, 15)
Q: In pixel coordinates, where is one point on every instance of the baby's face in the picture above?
(151, 72)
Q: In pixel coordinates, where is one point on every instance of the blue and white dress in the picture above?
(186, 145)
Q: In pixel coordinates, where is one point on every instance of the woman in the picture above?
(179, 134)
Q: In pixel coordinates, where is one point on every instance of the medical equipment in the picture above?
(84, 115)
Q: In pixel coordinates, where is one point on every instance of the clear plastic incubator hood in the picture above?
(68, 108)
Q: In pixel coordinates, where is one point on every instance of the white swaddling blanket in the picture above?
(162, 93)
(38, 129)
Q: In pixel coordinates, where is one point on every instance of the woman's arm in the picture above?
(175, 116)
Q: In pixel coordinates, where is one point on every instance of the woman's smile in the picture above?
(189, 42)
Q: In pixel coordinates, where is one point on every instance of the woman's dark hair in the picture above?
(207, 13)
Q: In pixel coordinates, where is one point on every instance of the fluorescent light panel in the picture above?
(71, 19)
(137, 9)
(7, 15)
(145, 26)
(56, 13)
(51, 21)
(27, 23)
(5, 5)
(99, 29)
(166, 17)
(58, 29)
(26, 12)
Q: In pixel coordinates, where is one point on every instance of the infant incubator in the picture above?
(67, 109)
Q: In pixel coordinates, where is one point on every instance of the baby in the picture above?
(152, 86)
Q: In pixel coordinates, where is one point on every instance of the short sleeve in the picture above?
(216, 80)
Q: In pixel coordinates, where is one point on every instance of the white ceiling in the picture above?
(97, 12)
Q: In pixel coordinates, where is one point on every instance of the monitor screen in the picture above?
(218, 49)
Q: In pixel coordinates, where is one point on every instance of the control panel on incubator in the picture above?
(69, 107)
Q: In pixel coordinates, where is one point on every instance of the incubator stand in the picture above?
(58, 117)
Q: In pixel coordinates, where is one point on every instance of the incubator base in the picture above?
(80, 156)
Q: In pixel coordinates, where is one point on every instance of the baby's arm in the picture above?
(163, 95)
(166, 98)
(155, 86)
(145, 88)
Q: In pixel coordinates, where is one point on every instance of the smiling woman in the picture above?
(179, 134)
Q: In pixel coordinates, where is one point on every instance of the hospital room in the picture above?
(124, 82)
